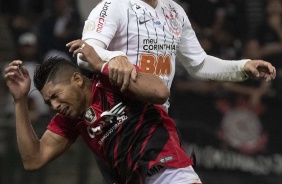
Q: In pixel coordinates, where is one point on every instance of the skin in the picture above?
(34, 152)
(260, 69)
(70, 98)
(155, 93)
(63, 98)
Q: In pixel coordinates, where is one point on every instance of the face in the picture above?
(65, 98)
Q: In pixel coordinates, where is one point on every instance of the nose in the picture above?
(55, 105)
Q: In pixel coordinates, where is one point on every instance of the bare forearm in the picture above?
(28, 143)
(149, 88)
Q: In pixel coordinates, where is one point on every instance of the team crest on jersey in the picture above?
(90, 115)
(173, 23)
(89, 26)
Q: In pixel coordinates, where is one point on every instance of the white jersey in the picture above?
(149, 36)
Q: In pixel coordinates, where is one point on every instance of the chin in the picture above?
(74, 116)
(70, 116)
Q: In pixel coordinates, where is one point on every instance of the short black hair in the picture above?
(53, 69)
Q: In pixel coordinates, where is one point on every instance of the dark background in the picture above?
(235, 129)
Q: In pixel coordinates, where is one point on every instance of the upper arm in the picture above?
(149, 88)
(103, 21)
(51, 146)
(190, 48)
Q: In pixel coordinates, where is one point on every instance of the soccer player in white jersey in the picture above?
(150, 34)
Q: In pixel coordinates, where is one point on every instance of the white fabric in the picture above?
(219, 70)
(185, 175)
(151, 37)
(104, 54)
(148, 36)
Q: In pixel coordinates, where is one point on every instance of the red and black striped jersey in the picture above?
(126, 135)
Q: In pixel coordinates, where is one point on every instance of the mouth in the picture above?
(65, 111)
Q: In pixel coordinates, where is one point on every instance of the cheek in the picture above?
(76, 100)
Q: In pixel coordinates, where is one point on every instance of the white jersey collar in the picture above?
(144, 4)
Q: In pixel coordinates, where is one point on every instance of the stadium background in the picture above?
(234, 128)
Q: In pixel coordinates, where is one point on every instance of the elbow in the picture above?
(32, 165)
(162, 96)
(27, 168)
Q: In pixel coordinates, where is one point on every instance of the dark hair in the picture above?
(55, 69)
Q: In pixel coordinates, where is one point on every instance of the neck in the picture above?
(88, 92)
(152, 3)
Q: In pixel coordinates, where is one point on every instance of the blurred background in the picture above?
(235, 129)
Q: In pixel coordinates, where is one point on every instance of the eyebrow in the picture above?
(47, 101)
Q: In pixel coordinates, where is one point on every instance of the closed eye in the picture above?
(47, 102)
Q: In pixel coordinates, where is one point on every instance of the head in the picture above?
(63, 87)
(274, 7)
(27, 46)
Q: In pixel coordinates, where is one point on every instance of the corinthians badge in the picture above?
(173, 23)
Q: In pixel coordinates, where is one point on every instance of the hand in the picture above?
(18, 80)
(88, 54)
(120, 72)
(260, 69)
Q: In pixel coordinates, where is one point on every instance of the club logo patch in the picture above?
(173, 23)
(90, 115)
(89, 26)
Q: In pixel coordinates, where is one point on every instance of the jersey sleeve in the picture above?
(192, 52)
(103, 21)
(63, 127)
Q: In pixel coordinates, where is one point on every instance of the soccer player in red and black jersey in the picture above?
(128, 131)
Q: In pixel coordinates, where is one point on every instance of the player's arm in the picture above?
(120, 69)
(205, 67)
(111, 14)
(35, 153)
(148, 87)
(216, 69)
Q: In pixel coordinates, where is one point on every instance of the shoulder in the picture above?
(170, 4)
(63, 121)
(105, 4)
(64, 127)
(109, 7)
(173, 6)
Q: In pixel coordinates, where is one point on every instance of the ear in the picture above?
(77, 78)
